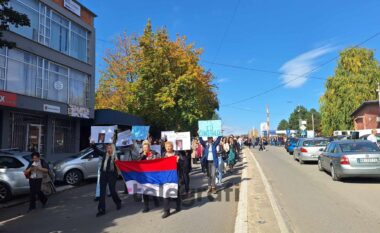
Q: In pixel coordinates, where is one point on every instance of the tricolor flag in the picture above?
(151, 177)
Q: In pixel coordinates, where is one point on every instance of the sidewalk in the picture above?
(260, 216)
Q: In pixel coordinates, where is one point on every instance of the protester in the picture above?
(108, 176)
(211, 159)
(262, 145)
(35, 171)
(194, 148)
(231, 154)
(169, 153)
(220, 168)
(148, 154)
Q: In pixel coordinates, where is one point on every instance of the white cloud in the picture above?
(302, 64)
(221, 80)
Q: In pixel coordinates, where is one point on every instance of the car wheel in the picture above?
(334, 176)
(291, 153)
(73, 177)
(5, 193)
(320, 165)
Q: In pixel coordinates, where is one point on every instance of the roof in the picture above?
(113, 117)
(365, 103)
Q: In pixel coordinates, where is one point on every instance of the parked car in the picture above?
(309, 149)
(365, 137)
(12, 179)
(77, 167)
(293, 144)
(350, 158)
(288, 142)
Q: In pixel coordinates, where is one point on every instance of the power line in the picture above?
(256, 69)
(305, 74)
(226, 31)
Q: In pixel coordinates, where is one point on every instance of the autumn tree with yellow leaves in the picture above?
(158, 79)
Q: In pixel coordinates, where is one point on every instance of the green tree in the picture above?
(354, 81)
(8, 17)
(158, 79)
(300, 112)
(283, 125)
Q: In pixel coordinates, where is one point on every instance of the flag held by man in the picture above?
(151, 177)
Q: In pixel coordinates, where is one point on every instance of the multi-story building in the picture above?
(47, 81)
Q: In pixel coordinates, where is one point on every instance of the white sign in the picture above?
(76, 111)
(102, 134)
(310, 134)
(124, 138)
(52, 108)
(72, 6)
(303, 127)
(164, 134)
(180, 140)
(304, 122)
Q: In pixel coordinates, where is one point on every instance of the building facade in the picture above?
(47, 81)
(367, 116)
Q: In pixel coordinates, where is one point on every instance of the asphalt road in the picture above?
(74, 211)
(311, 202)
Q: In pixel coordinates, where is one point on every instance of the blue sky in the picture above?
(291, 37)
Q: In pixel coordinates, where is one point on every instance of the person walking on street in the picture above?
(169, 153)
(148, 154)
(220, 168)
(210, 158)
(35, 171)
(108, 176)
(231, 154)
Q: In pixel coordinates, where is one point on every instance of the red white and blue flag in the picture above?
(156, 177)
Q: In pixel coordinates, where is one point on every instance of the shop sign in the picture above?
(8, 99)
(72, 6)
(76, 111)
(52, 108)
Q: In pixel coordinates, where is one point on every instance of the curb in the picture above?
(22, 200)
(241, 221)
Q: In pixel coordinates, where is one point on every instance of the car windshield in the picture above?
(359, 147)
(311, 143)
(27, 158)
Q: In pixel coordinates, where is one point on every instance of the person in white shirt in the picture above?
(373, 137)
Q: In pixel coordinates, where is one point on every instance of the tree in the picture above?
(283, 125)
(158, 79)
(8, 17)
(354, 81)
(299, 113)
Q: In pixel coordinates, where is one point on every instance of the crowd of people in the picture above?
(217, 158)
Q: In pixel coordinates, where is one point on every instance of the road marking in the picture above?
(280, 219)
(11, 219)
(241, 221)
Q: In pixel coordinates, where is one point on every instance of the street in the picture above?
(74, 211)
(310, 201)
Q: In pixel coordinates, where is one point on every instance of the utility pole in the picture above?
(378, 92)
(312, 120)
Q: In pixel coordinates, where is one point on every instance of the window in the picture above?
(359, 147)
(58, 83)
(22, 72)
(51, 29)
(63, 136)
(316, 143)
(3, 68)
(9, 162)
(78, 90)
(331, 148)
(60, 34)
(30, 8)
(78, 43)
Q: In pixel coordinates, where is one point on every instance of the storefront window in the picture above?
(63, 136)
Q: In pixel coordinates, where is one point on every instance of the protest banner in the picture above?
(102, 134)
(180, 140)
(140, 132)
(211, 128)
(124, 138)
